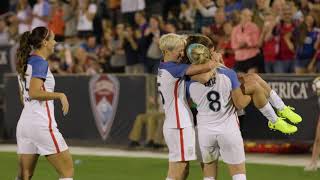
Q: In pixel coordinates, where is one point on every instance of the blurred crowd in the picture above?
(121, 36)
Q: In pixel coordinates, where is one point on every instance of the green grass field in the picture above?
(120, 168)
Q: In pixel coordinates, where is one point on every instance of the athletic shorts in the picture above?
(244, 66)
(181, 143)
(33, 139)
(229, 146)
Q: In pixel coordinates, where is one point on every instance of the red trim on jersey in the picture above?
(176, 103)
(178, 119)
(50, 126)
(182, 145)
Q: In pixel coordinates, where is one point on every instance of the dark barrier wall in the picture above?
(296, 91)
(79, 123)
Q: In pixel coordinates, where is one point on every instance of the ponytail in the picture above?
(23, 53)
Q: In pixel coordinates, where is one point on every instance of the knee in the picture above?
(254, 76)
(251, 87)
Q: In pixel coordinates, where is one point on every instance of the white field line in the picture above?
(287, 160)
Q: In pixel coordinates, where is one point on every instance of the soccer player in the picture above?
(37, 132)
(313, 164)
(217, 121)
(252, 83)
(178, 128)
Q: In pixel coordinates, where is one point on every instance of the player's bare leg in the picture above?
(27, 163)
(260, 101)
(178, 170)
(63, 164)
(273, 98)
(313, 165)
(237, 171)
(210, 170)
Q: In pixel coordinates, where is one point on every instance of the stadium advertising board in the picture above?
(81, 124)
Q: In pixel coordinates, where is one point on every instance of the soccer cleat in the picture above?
(311, 167)
(288, 112)
(282, 126)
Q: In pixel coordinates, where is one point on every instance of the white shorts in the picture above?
(39, 140)
(181, 144)
(228, 145)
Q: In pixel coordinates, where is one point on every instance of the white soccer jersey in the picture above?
(37, 131)
(214, 103)
(172, 89)
(38, 67)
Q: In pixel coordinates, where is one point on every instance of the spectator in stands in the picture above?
(217, 30)
(105, 52)
(70, 10)
(269, 42)
(80, 57)
(262, 7)
(187, 16)
(304, 6)
(224, 46)
(86, 12)
(129, 8)
(130, 44)
(141, 21)
(232, 6)
(40, 13)
(244, 41)
(297, 14)
(152, 36)
(221, 4)
(168, 7)
(170, 27)
(55, 65)
(4, 34)
(24, 15)
(206, 10)
(277, 8)
(314, 65)
(56, 22)
(90, 45)
(306, 44)
(114, 10)
(285, 60)
(153, 121)
(118, 58)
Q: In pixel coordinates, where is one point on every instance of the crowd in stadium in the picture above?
(121, 36)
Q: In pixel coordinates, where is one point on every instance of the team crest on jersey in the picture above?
(104, 94)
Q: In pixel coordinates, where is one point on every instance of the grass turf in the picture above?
(121, 168)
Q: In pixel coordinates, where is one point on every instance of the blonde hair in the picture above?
(169, 42)
(200, 54)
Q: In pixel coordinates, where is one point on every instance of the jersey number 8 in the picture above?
(214, 97)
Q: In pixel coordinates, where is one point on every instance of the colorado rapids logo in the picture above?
(104, 94)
